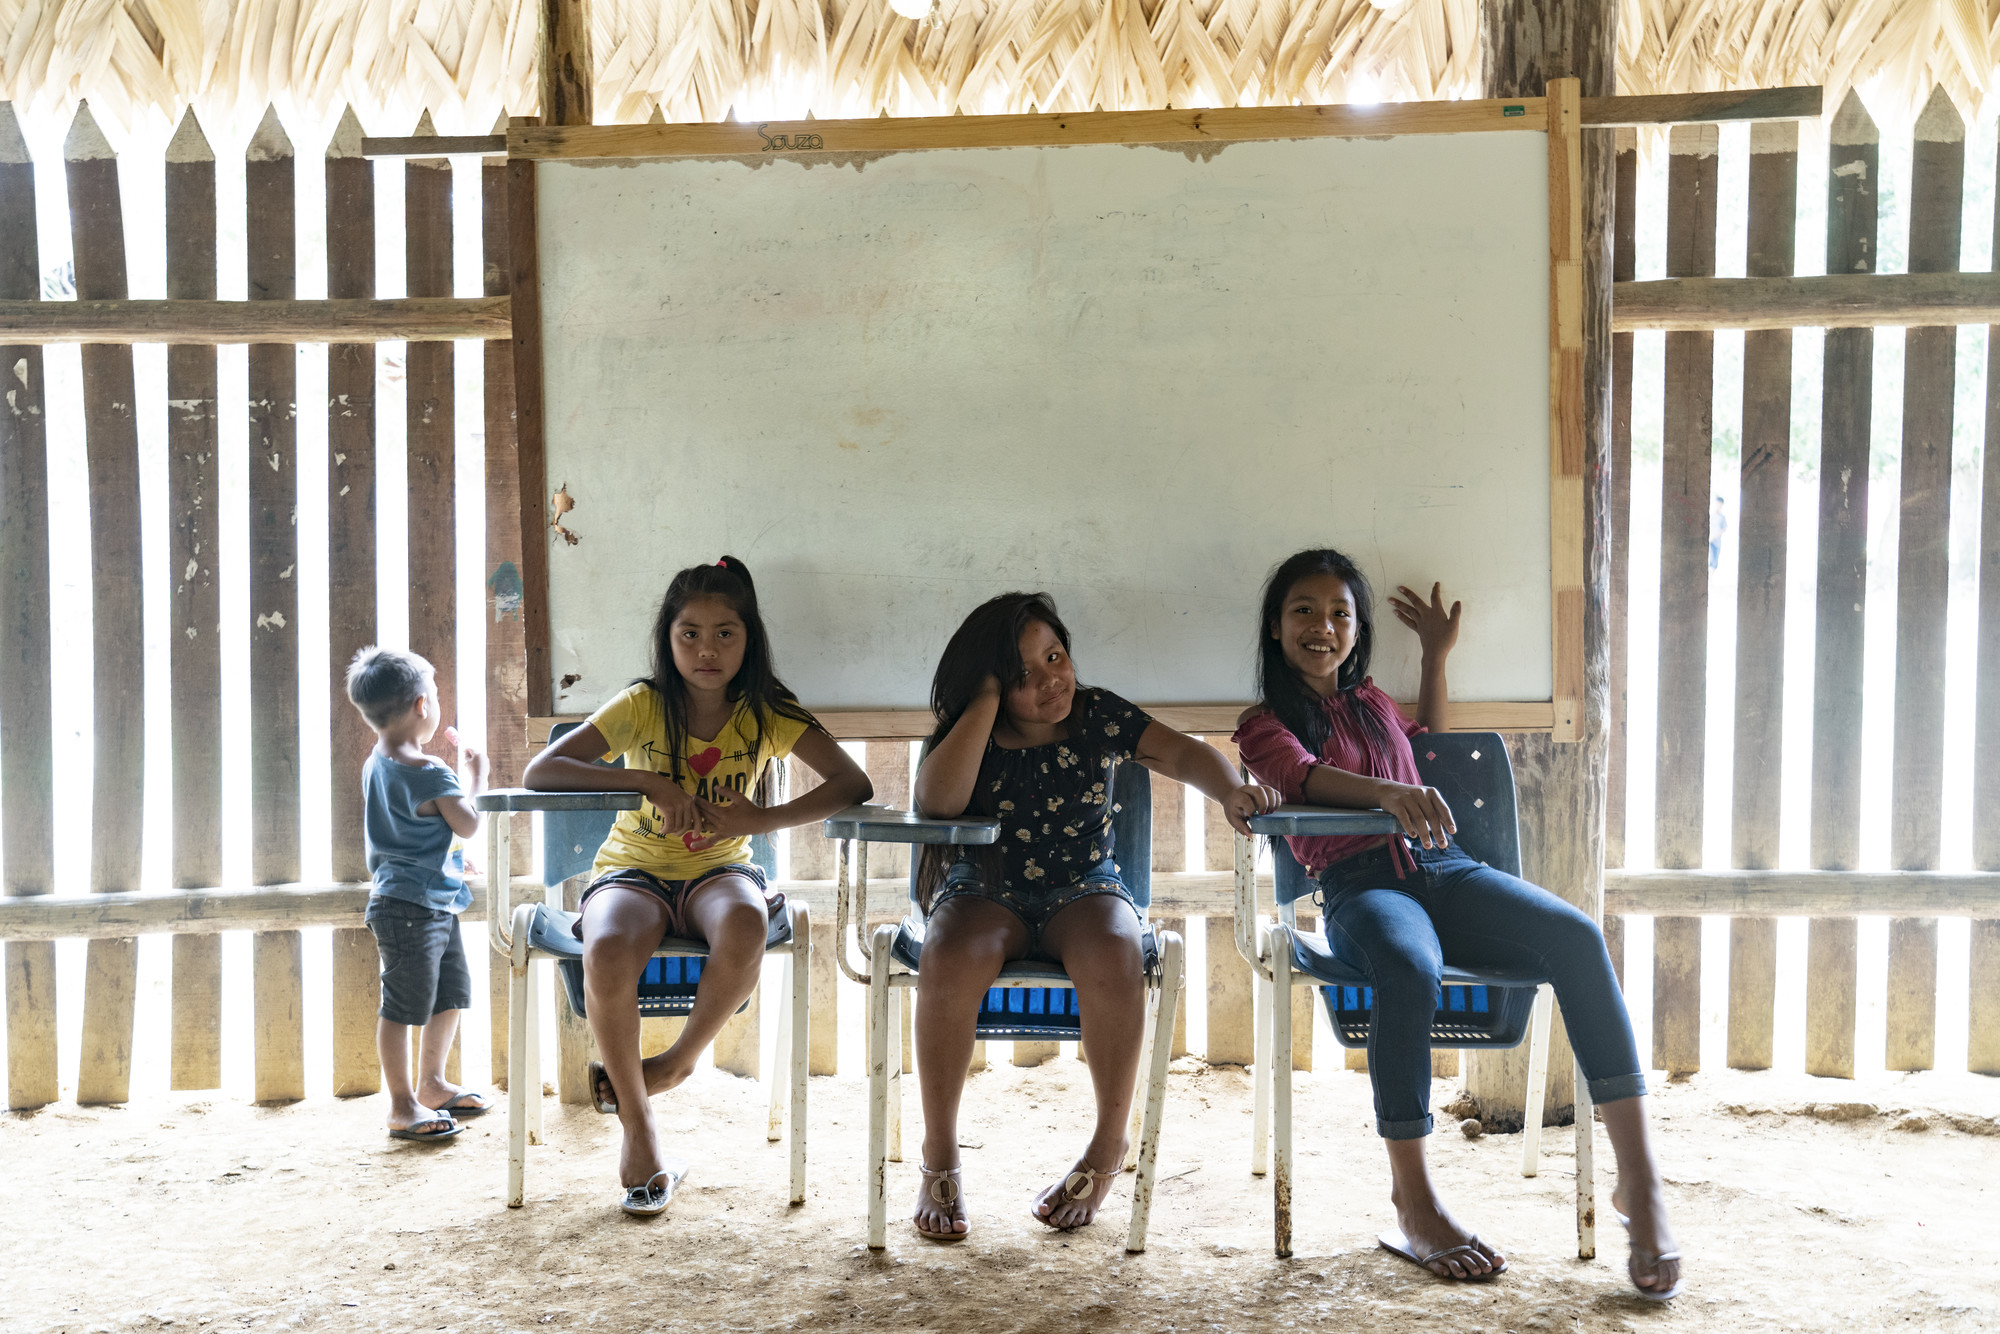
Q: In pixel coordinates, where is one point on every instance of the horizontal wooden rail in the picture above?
(1836, 301)
(1175, 894)
(1801, 103)
(433, 145)
(1803, 893)
(418, 319)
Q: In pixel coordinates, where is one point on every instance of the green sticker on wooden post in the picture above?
(1513, 111)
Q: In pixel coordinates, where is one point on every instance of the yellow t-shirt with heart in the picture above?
(634, 725)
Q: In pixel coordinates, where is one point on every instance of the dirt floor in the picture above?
(1801, 1204)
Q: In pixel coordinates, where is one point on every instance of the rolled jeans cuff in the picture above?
(1617, 1087)
(1416, 1129)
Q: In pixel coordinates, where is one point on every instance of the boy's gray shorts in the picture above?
(423, 961)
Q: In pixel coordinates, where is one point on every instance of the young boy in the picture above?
(414, 806)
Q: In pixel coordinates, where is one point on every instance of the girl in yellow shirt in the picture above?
(695, 736)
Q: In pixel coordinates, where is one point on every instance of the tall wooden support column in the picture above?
(1231, 1003)
(1524, 45)
(431, 434)
(1983, 1000)
(350, 520)
(271, 231)
(118, 759)
(1170, 857)
(1762, 511)
(1922, 584)
(506, 632)
(1853, 160)
(1684, 565)
(566, 62)
(1624, 268)
(196, 613)
(27, 737)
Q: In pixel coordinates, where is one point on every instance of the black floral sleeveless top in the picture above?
(1054, 801)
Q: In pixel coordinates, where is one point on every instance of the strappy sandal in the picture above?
(608, 1106)
(945, 1192)
(1080, 1184)
(1394, 1242)
(652, 1198)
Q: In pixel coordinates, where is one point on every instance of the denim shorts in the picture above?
(423, 960)
(1035, 910)
(675, 893)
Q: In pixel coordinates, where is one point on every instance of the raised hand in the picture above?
(1437, 629)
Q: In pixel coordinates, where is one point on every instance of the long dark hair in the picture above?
(755, 683)
(987, 643)
(1279, 688)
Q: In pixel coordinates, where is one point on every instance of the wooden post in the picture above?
(1230, 1004)
(117, 623)
(350, 523)
(1562, 784)
(27, 738)
(1846, 402)
(1303, 1000)
(274, 609)
(1983, 1001)
(1624, 268)
(888, 766)
(1923, 578)
(1684, 568)
(812, 853)
(823, 999)
(1762, 509)
(506, 632)
(1170, 856)
(566, 62)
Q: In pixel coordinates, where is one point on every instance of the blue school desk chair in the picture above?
(1482, 1007)
(573, 825)
(1030, 1001)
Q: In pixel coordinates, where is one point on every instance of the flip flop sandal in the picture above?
(608, 1106)
(652, 1198)
(1078, 1185)
(944, 1191)
(464, 1112)
(1631, 1271)
(1396, 1243)
(410, 1131)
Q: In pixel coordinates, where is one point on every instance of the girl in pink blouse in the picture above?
(1398, 907)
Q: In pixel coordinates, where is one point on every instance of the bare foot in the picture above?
(448, 1097)
(1655, 1262)
(639, 1156)
(407, 1112)
(940, 1214)
(1074, 1201)
(1430, 1229)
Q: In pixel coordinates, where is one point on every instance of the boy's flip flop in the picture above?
(411, 1131)
(464, 1111)
(608, 1106)
(652, 1198)
(1396, 1243)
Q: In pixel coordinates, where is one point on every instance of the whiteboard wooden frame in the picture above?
(1558, 115)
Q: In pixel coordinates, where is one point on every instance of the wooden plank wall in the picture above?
(193, 476)
(97, 228)
(1983, 1019)
(1684, 525)
(27, 740)
(1624, 267)
(1761, 532)
(351, 538)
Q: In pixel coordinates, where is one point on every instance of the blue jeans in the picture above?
(1400, 933)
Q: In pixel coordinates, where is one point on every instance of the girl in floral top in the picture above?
(1400, 907)
(1019, 740)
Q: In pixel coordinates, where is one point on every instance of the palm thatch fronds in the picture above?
(471, 60)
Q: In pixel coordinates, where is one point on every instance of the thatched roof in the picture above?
(471, 60)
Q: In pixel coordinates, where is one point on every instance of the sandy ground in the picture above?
(1801, 1204)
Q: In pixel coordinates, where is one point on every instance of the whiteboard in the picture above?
(1134, 376)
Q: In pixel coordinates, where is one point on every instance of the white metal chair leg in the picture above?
(1155, 1071)
(797, 999)
(1586, 1173)
(878, 1087)
(781, 1052)
(519, 1079)
(1260, 1119)
(1137, 1125)
(897, 999)
(1281, 1088)
(1538, 1079)
(534, 1080)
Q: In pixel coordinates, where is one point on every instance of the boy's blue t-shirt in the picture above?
(411, 856)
